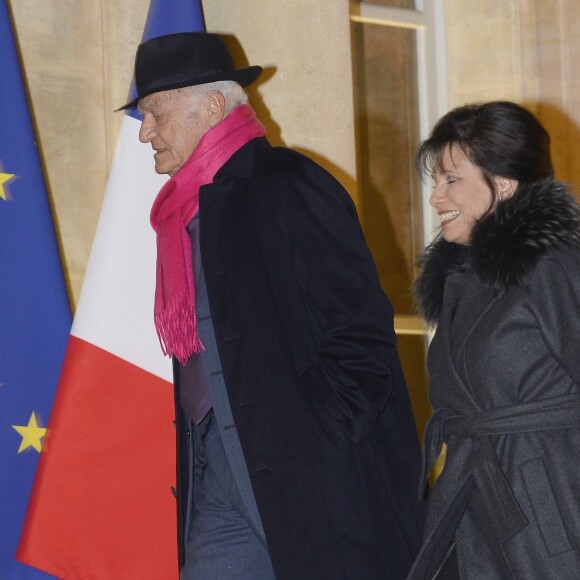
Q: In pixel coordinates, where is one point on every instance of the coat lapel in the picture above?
(441, 361)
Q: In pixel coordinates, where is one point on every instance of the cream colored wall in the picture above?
(77, 64)
(482, 53)
(78, 58)
(522, 50)
(304, 47)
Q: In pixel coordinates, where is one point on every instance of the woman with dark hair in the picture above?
(501, 284)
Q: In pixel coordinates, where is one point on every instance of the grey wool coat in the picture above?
(504, 369)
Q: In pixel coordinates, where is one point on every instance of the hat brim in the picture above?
(243, 77)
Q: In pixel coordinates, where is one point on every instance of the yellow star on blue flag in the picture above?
(4, 178)
(31, 434)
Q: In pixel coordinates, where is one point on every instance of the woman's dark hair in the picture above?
(499, 137)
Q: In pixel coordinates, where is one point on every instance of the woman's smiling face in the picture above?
(460, 195)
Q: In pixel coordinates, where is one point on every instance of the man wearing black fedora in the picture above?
(297, 452)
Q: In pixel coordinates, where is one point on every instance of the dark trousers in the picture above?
(221, 544)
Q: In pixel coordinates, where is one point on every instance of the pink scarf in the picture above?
(173, 208)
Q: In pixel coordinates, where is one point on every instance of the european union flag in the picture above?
(35, 314)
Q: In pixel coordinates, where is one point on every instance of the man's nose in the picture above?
(145, 131)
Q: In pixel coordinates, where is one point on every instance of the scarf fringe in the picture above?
(176, 329)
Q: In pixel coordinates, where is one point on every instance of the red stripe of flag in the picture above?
(112, 513)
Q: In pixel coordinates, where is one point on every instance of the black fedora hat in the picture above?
(184, 59)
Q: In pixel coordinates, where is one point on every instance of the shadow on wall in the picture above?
(239, 57)
(273, 130)
(564, 142)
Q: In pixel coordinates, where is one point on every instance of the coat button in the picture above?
(188, 432)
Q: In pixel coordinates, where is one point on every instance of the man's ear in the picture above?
(216, 108)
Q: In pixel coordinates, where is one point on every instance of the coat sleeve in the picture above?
(317, 239)
(555, 300)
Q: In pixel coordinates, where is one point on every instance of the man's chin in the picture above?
(166, 168)
(161, 169)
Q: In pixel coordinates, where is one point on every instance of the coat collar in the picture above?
(241, 163)
(505, 245)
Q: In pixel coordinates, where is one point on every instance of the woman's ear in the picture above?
(505, 187)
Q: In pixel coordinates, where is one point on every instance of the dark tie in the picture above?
(194, 390)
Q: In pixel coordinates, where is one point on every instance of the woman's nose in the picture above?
(435, 197)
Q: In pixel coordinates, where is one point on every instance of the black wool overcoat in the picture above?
(305, 336)
(504, 369)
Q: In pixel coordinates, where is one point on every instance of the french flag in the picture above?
(102, 505)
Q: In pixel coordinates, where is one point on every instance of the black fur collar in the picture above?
(505, 245)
